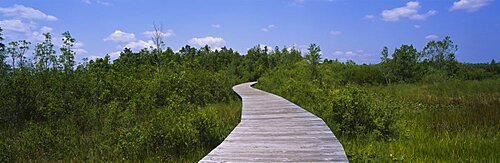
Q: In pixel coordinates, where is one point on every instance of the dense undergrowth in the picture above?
(105, 114)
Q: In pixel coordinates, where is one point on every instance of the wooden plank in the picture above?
(273, 129)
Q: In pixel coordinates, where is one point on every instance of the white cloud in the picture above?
(114, 55)
(357, 55)
(37, 36)
(409, 11)
(78, 48)
(349, 53)
(14, 25)
(97, 1)
(17, 30)
(20, 11)
(264, 46)
(80, 51)
(138, 45)
(335, 33)
(21, 30)
(269, 27)
(469, 5)
(119, 36)
(45, 29)
(431, 37)
(103, 3)
(78, 45)
(417, 26)
(297, 3)
(209, 40)
(166, 34)
(369, 17)
(216, 25)
(423, 16)
(299, 47)
(94, 57)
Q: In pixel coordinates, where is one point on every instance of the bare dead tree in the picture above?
(157, 38)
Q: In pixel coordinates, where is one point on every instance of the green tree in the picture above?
(188, 52)
(313, 56)
(291, 56)
(44, 53)
(441, 55)
(3, 66)
(385, 65)
(256, 62)
(67, 57)
(17, 50)
(385, 55)
(405, 62)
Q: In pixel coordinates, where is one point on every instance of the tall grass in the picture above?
(443, 122)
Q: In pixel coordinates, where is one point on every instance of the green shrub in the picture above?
(134, 143)
(4, 152)
(53, 141)
(354, 112)
(435, 76)
(172, 133)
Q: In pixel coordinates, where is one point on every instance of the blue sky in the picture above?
(345, 29)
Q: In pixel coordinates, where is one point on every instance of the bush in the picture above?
(435, 76)
(354, 112)
(4, 152)
(53, 141)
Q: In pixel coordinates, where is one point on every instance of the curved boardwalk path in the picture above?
(272, 129)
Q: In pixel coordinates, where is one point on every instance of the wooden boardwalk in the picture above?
(272, 129)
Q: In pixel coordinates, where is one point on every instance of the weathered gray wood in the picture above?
(272, 129)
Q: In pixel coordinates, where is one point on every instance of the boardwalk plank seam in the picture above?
(273, 129)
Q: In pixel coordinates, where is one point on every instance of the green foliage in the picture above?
(348, 110)
(125, 109)
(44, 53)
(67, 57)
(4, 152)
(17, 50)
(428, 119)
(314, 54)
(478, 71)
(405, 122)
(405, 62)
(354, 112)
(3, 66)
(443, 123)
(441, 55)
